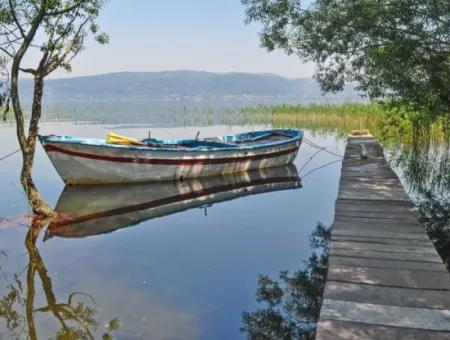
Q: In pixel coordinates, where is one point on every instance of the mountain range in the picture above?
(176, 85)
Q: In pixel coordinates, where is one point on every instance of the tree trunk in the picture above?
(39, 206)
(37, 203)
(27, 144)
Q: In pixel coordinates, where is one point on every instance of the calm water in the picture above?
(179, 275)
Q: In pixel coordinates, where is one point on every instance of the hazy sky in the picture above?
(154, 35)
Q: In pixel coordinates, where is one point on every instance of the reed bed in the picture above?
(387, 123)
(338, 118)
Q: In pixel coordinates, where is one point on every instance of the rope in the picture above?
(320, 167)
(314, 145)
(310, 159)
(10, 154)
(320, 148)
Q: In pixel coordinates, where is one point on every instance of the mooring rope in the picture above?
(9, 155)
(310, 159)
(319, 167)
(314, 145)
(319, 149)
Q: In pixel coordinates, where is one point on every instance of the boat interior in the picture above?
(243, 139)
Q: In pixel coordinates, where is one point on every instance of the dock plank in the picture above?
(388, 277)
(384, 255)
(396, 296)
(382, 240)
(385, 279)
(358, 245)
(391, 264)
(344, 330)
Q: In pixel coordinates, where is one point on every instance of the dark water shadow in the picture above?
(290, 304)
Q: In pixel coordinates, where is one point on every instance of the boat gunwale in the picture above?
(298, 135)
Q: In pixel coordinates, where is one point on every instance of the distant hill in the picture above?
(177, 85)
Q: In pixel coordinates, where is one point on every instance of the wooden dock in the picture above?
(385, 279)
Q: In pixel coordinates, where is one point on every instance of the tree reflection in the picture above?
(75, 319)
(291, 303)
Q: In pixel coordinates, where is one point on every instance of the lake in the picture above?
(194, 268)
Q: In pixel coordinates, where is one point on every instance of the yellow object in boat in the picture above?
(114, 138)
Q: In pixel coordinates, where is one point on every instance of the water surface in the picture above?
(180, 274)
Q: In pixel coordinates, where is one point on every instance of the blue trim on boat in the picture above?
(194, 145)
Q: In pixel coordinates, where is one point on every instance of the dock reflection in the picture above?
(93, 210)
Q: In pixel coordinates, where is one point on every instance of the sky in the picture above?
(156, 35)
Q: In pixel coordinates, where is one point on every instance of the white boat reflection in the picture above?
(93, 210)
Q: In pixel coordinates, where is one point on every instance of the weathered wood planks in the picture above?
(385, 279)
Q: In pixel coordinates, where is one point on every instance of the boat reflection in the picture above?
(92, 210)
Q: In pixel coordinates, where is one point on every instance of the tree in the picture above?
(395, 49)
(57, 30)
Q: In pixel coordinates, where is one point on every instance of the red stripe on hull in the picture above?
(192, 161)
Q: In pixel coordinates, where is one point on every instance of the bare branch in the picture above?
(9, 31)
(28, 70)
(14, 15)
(4, 50)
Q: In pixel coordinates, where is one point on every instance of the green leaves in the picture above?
(102, 38)
(63, 26)
(396, 50)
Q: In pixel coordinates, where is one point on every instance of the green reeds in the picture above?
(385, 122)
(322, 118)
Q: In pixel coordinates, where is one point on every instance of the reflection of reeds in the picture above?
(425, 167)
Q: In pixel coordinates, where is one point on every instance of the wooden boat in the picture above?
(92, 210)
(95, 161)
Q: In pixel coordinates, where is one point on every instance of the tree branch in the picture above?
(64, 11)
(4, 50)
(14, 15)
(15, 68)
(59, 60)
(28, 70)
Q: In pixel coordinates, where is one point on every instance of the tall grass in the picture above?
(340, 118)
(386, 123)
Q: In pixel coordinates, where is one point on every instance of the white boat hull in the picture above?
(93, 161)
(88, 164)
